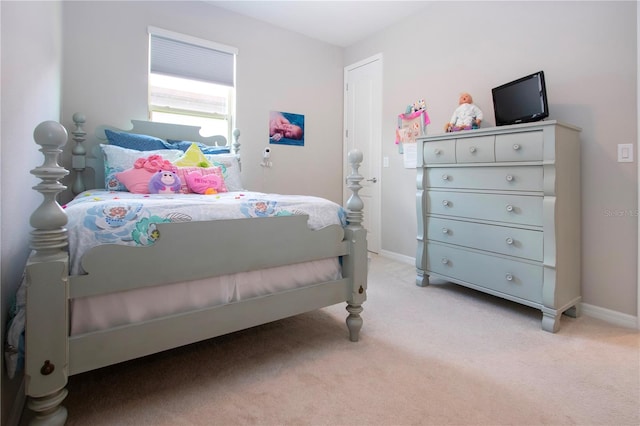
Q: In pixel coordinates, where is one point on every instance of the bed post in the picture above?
(236, 146)
(46, 337)
(79, 154)
(355, 265)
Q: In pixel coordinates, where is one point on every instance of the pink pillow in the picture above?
(136, 180)
(200, 172)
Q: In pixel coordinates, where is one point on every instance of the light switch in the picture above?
(385, 161)
(625, 153)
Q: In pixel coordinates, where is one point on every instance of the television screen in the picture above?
(520, 101)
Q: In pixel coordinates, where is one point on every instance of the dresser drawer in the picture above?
(510, 277)
(525, 146)
(516, 209)
(523, 243)
(440, 152)
(478, 149)
(519, 178)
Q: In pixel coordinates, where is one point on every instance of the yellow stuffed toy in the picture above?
(193, 157)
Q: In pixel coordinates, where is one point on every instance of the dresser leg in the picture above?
(550, 322)
(574, 311)
(422, 279)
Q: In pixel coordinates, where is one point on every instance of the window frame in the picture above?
(207, 44)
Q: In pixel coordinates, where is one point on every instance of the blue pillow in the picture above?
(206, 149)
(134, 141)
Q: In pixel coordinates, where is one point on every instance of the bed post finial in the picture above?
(236, 145)
(354, 203)
(79, 153)
(355, 265)
(49, 219)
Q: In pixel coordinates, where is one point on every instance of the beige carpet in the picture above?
(440, 355)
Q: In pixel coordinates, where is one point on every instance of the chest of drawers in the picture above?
(499, 211)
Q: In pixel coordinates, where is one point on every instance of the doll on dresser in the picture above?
(466, 116)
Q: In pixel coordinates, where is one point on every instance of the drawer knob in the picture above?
(509, 178)
(437, 151)
(472, 149)
(445, 261)
(509, 240)
(509, 208)
(516, 147)
(446, 203)
(445, 231)
(509, 277)
(445, 177)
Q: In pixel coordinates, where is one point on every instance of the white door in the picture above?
(363, 131)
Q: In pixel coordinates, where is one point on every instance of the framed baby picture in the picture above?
(286, 128)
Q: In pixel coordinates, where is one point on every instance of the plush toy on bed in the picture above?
(164, 182)
(467, 116)
(205, 184)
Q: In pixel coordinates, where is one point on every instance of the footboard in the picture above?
(194, 250)
(213, 248)
(250, 244)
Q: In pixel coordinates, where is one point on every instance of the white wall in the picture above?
(31, 67)
(105, 77)
(588, 52)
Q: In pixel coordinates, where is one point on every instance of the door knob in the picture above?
(374, 180)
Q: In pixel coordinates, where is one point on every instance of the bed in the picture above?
(232, 268)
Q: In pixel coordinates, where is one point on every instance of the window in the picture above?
(191, 81)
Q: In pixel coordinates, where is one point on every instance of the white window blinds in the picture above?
(183, 56)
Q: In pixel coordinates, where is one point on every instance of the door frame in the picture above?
(377, 145)
(638, 172)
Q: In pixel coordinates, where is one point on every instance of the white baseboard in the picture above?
(612, 317)
(398, 257)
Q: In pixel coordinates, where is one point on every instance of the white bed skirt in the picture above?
(111, 310)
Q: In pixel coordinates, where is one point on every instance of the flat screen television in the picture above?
(521, 101)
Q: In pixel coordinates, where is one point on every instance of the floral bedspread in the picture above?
(99, 216)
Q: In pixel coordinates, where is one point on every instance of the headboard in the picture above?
(89, 169)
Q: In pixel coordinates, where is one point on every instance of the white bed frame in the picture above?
(52, 355)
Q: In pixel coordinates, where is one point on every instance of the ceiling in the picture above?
(337, 22)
